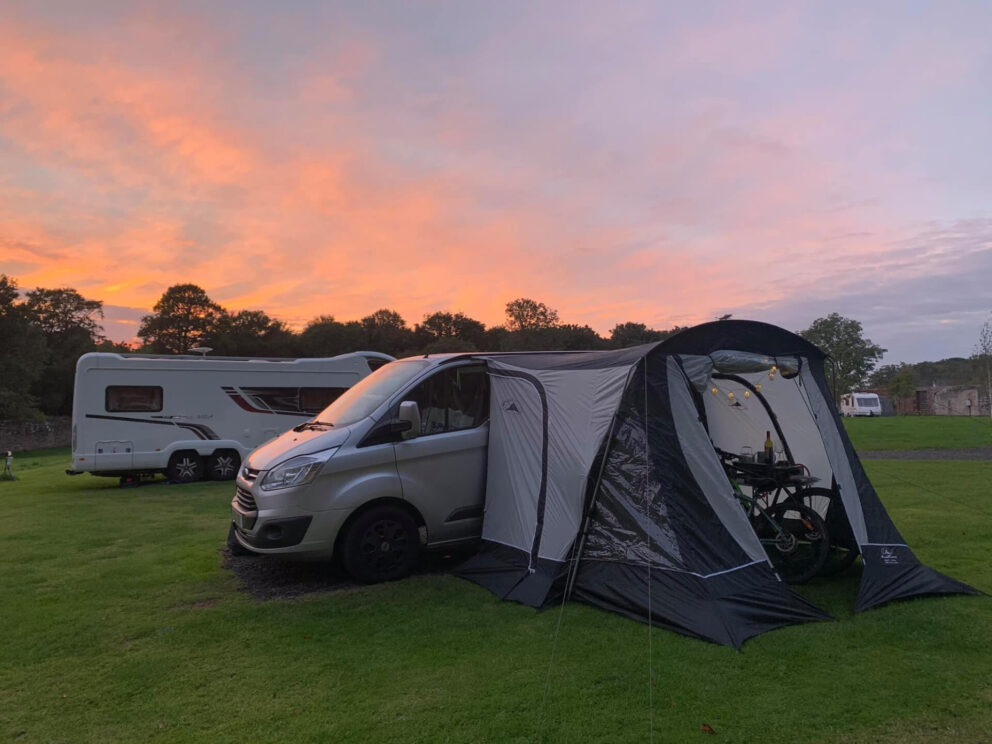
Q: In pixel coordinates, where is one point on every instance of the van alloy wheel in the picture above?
(382, 544)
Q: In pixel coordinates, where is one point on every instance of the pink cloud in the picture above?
(144, 155)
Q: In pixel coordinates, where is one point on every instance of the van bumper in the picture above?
(275, 531)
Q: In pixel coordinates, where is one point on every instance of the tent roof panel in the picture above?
(740, 335)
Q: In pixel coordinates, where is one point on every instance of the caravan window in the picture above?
(315, 400)
(293, 400)
(133, 398)
(453, 399)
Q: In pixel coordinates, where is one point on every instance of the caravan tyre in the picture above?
(223, 465)
(381, 544)
(184, 467)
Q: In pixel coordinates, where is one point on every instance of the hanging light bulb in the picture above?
(714, 391)
(730, 395)
(758, 387)
(747, 393)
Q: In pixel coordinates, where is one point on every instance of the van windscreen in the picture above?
(361, 400)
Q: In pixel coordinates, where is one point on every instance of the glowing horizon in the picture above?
(638, 163)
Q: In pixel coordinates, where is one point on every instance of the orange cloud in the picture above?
(143, 155)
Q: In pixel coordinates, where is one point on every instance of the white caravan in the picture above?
(192, 417)
(860, 404)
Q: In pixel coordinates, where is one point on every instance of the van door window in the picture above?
(453, 399)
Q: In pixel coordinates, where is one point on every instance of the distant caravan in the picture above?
(196, 417)
(860, 404)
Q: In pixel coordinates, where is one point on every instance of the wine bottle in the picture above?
(769, 448)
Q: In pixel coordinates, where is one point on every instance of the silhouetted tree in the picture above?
(386, 331)
(324, 336)
(250, 333)
(441, 326)
(22, 355)
(527, 315)
(571, 337)
(854, 355)
(63, 311)
(182, 317)
(634, 334)
(68, 321)
(902, 385)
(497, 339)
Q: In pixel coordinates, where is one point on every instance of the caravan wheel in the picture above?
(223, 465)
(184, 467)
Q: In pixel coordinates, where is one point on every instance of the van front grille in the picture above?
(245, 500)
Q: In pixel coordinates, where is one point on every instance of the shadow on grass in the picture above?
(271, 577)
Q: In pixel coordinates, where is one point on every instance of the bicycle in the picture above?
(794, 536)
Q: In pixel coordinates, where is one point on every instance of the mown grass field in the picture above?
(919, 432)
(119, 623)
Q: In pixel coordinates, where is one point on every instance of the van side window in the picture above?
(453, 399)
(133, 399)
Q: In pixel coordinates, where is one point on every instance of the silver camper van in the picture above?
(194, 417)
(396, 464)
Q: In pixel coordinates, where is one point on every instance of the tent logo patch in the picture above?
(510, 406)
(889, 557)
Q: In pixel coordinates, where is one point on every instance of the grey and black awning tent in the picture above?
(604, 484)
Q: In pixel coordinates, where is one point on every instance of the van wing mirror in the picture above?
(410, 413)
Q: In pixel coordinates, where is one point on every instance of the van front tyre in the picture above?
(184, 467)
(381, 544)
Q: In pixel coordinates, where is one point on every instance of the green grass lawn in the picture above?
(919, 432)
(119, 624)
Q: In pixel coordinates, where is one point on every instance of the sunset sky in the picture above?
(618, 161)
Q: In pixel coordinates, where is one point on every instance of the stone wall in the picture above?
(19, 436)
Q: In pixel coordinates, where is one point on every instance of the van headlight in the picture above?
(297, 471)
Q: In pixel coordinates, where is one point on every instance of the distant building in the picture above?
(945, 400)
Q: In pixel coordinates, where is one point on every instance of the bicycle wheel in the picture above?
(795, 539)
(843, 547)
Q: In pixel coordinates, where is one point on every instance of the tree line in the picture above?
(44, 331)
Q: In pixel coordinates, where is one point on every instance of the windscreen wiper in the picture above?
(313, 425)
